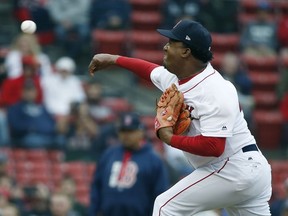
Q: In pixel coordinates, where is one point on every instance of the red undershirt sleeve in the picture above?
(140, 67)
(199, 145)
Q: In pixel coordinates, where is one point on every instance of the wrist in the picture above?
(116, 59)
(165, 134)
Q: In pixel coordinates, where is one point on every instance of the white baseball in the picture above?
(28, 26)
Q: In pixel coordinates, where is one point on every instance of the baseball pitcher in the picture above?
(199, 113)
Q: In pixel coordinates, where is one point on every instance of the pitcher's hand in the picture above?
(101, 61)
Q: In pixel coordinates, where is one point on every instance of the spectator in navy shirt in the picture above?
(110, 14)
(129, 176)
(30, 124)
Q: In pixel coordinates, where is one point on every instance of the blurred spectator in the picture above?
(279, 205)
(12, 87)
(68, 187)
(71, 20)
(3, 165)
(103, 116)
(110, 14)
(94, 92)
(11, 193)
(26, 44)
(83, 133)
(31, 125)
(175, 10)
(9, 210)
(3, 71)
(231, 70)
(4, 197)
(60, 205)
(108, 137)
(283, 31)
(37, 198)
(284, 112)
(4, 130)
(62, 88)
(36, 10)
(131, 173)
(219, 16)
(282, 87)
(283, 97)
(259, 36)
(285, 209)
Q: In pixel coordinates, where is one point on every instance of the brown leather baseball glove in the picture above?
(169, 107)
(183, 122)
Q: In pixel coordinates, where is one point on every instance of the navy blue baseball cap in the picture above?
(191, 33)
(130, 121)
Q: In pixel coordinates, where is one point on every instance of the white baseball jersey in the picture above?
(240, 179)
(208, 93)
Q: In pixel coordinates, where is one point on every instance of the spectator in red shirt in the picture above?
(284, 111)
(12, 87)
(283, 31)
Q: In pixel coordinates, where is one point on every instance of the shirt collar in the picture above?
(185, 80)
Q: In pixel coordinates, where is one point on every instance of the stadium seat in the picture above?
(248, 10)
(264, 80)
(248, 5)
(19, 154)
(82, 189)
(10, 168)
(118, 105)
(108, 41)
(37, 155)
(260, 63)
(23, 166)
(91, 167)
(268, 127)
(155, 56)
(41, 178)
(147, 20)
(282, 6)
(284, 61)
(84, 199)
(77, 168)
(32, 166)
(279, 175)
(23, 178)
(55, 156)
(265, 100)
(150, 40)
(148, 121)
(146, 5)
(58, 168)
(225, 42)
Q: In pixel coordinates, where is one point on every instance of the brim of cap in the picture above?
(168, 34)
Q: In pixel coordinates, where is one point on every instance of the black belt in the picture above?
(252, 147)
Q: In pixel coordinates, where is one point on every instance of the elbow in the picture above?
(219, 151)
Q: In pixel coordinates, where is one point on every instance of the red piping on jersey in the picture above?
(193, 185)
(182, 81)
(200, 82)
